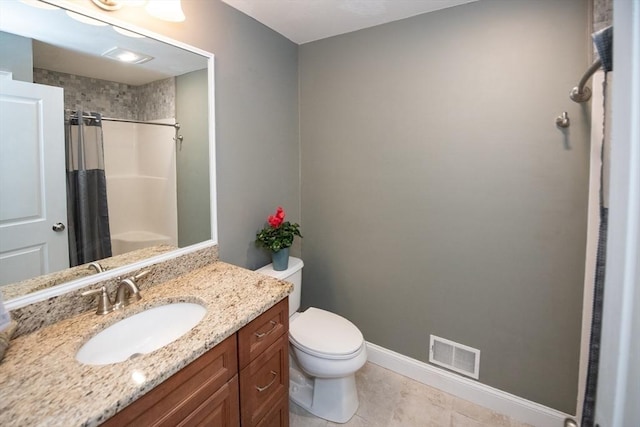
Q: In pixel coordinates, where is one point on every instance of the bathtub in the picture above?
(132, 240)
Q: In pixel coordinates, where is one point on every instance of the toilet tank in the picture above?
(293, 274)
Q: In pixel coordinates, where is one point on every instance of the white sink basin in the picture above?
(141, 333)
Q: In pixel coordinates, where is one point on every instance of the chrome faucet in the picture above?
(127, 293)
(96, 266)
(127, 290)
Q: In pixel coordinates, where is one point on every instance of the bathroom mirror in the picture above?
(64, 48)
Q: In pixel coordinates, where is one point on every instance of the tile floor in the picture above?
(388, 399)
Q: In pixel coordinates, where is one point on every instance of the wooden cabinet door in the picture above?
(219, 410)
(175, 399)
(261, 332)
(278, 416)
(264, 382)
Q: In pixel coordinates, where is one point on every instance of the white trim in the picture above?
(90, 280)
(213, 189)
(95, 278)
(618, 392)
(508, 404)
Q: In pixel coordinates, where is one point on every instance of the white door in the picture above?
(33, 210)
(618, 394)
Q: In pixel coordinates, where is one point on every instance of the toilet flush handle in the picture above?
(264, 334)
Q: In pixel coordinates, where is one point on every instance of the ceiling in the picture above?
(65, 45)
(303, 21)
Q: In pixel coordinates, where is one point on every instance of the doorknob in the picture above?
(58, 227)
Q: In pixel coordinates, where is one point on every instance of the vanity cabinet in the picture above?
(205, 392)
(242, 381)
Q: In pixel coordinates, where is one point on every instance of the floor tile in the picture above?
(379, 391)
(388, 399)
(299, 417)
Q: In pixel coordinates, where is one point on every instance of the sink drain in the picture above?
(134, 355)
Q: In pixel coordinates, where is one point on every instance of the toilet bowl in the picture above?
(325, 352)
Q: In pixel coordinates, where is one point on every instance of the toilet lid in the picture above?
(325, 332)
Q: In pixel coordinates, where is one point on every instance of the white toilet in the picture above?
(325, 352)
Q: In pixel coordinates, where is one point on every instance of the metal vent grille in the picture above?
(454, 356)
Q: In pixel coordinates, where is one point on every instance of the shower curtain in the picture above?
(590, 396)
(88, 216)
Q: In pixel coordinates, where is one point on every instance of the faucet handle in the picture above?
(104, 303)
(143, 273)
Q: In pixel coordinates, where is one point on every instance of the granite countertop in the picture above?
(42, 384)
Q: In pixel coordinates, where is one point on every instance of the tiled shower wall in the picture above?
(152, 101)
(602, 14)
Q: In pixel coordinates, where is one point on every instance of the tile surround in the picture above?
(152, 101)
(602, 14)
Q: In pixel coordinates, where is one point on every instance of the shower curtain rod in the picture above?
(111, 119)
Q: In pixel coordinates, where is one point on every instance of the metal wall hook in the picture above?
(178, 139)
(562, 121)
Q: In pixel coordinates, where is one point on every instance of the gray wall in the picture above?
(438, 196)
(256, 93)
(192, 158)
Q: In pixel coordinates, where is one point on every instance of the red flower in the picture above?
(277, 219)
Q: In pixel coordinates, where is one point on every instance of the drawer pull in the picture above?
(261, 389)
(264, 334)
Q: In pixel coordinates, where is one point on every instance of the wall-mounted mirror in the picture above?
(66, 94)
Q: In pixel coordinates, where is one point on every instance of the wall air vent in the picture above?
(456, 357)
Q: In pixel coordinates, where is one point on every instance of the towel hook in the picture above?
(562, 121)
(178, 138)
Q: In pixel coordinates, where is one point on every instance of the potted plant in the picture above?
(277, 236)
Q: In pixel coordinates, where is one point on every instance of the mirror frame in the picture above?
(71, 286)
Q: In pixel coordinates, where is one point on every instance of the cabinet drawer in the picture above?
(175, 398)
(263, 331)
(264, 382)
(219, 410)
(278, 416)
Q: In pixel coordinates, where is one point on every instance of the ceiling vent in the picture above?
(456, 357)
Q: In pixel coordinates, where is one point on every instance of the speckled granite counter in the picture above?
(41, 383)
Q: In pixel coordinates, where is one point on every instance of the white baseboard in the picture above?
(508, 404)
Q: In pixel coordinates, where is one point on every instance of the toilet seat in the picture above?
(324, 334)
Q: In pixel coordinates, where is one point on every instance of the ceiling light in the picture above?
(127, 56)
(108, 4)
(167, 10)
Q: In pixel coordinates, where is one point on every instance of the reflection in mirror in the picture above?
(106, 174)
